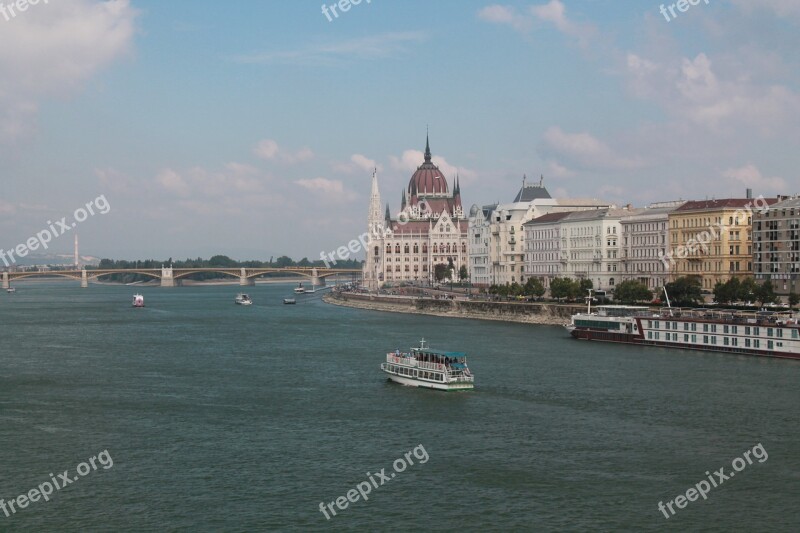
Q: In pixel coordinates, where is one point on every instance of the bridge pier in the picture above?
(84, 279)
(244, 280)
(166, 277)
(316, 281)
(6, 283)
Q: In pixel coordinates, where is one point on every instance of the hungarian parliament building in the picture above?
(430, 229)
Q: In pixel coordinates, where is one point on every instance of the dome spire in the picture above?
(427, 148)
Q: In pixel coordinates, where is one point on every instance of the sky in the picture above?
(251, 128)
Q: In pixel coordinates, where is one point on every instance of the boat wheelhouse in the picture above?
(243, 299)
(429, 368)
(138, 300)
(299, 289)
(764, 333)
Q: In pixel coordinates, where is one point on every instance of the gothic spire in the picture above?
(427, 148)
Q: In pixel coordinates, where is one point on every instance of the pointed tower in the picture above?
(374, 218)
(375, 225)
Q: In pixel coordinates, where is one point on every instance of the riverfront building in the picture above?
(645, 240)
(430, 229)
(712, 239)
(776, 245)
(497, 236)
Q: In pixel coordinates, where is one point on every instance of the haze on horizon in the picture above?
(252, 131)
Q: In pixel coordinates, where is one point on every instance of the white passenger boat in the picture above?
(138, 300)
(429, 368)
(243, 299)
(11, 290)
(299, 289)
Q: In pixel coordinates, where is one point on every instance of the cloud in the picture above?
(498, 14)
(411, 159)
(331, 54)
(358, 164)
(7, 208)
(554, 12)
(751, 177)
(171, 181)
(329, 189)
(585, 151)
(51, 49)
(269, 150)
(693, 90)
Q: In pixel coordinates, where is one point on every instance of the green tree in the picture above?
(632, 291)
(685, 291)
(585, 285)
(747, 290)
(794, 299)
(462, 272)
(560, 288)
(440, 272)
(534, 287)
(765, 293)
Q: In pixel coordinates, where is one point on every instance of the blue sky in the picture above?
(250, 128)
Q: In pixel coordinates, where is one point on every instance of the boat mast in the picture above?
(669, 305)
(589, 302)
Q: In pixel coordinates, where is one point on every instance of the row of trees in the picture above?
(217, 261)
(533, 288)
(747, 290)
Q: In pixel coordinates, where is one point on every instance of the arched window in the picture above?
(435, 248)
(406, 249)
(388, 248)
(463, 247)
(425, 248)
(416, 248)
(377, 250)
(397, 248)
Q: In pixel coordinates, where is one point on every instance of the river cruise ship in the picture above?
(764, 333)
(429, 368)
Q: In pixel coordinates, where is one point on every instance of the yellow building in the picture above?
(712, 239)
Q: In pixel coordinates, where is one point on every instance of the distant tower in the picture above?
(77, 265)
(375, 229)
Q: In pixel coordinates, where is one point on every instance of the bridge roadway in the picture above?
(169, 275)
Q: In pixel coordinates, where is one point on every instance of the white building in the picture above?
(645, 238)
(544, 257)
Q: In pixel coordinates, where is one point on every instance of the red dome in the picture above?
(428, 179)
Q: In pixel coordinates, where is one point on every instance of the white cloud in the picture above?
(329, 189)
(173, 182)
(269, 150)
(750, 176)
(584, 150)
(781, 8)
(49, 50)
(554, 12)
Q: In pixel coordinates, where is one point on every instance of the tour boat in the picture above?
(138, 300)
(243, 299)
(289, 301)
(429, 368)
(763, 333)
(11, 290)
(299, 289)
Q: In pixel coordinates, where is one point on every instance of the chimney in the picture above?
(749, 194)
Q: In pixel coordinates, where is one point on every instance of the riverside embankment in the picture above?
(527, 313)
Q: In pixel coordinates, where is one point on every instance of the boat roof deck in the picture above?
(703, 314)
(431, 351)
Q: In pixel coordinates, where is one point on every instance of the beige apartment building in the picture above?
(712, 239)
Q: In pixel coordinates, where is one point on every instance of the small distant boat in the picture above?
(243, 299)
(289, 301)
(12, 290)
(299, 289)
(138, 300)
(428, 368)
